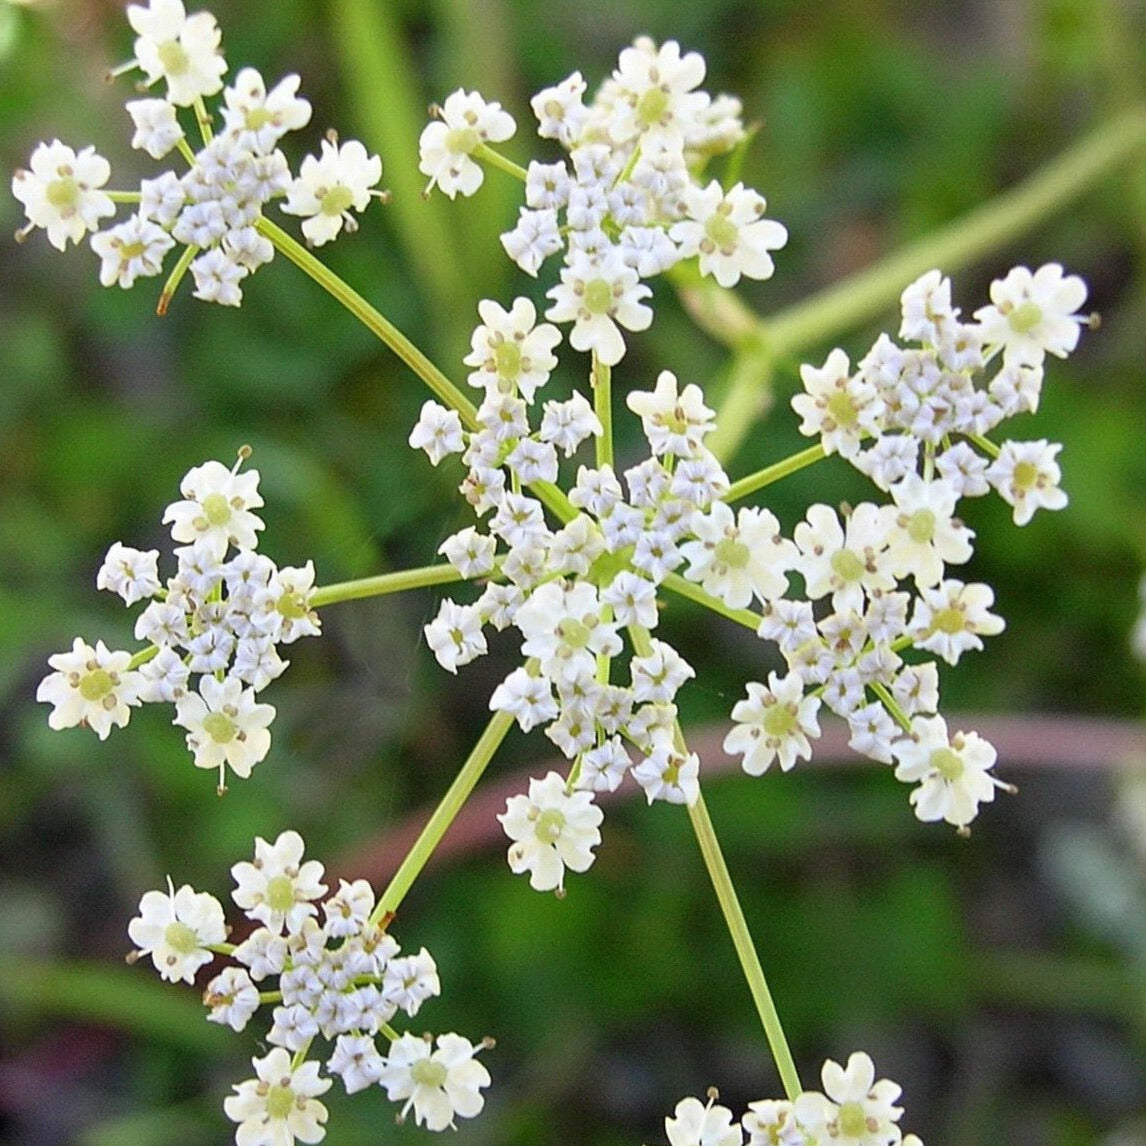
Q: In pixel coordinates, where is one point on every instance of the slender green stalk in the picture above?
(384, 583)
(772, 473)
(677, 584)
(602, 380)
(444, 813)
(382, 327)
(174, 279)
(745, 948)
(486, 153)
(865, 295)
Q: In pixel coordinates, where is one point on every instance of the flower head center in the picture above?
(550, 824)
(173, 56)
(291, 606)
(279, 895)
(63, 193)
(779, 721)
(507, 358)
(853, 1123)
(220, 727)
(722, 231)
(732, 553)
(847, 566)
(949, 620)
(280, 1101)
(842, 409)
(258, 117)
(462, 140)
(574, 633)
(948, 763)
(1026, 317)
(181, 938)
(651, 107)
(337, 200)
(1025, 476)
(133, 250)
(921, 526)
(427, 1072)
(598, 296)
(216, 509)
(95, 685)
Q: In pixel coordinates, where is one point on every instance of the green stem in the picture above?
(985, 444)
(677, 584)
(745, 949)
(444, 813)
(174, 279)
(774, 472)
(384, 583)
(380, 326)
(863, 296)
(496, 159)
(602, 380)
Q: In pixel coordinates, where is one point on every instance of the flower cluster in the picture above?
(220, 618)
(214, 207)
(342, 979)
(626, 203)
(853, 1110)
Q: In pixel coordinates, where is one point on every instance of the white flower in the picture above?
(410, 980)
(471, 553)
(438, 432)
(551, 830)
(777, 722)
(438, 1084)
(92, 687)
(772, 1122)
(349, 908)
(950, 618)
(655, 93)
(560, 111)
(511, 352)
(564, 629)
(536, 236)
(604, 767)
(277, 888)
(163, 678)
(217, 508)
(445, 146)
(133, 248)
(217, 277)
(953, 774)
(840, 407)
(872, 732)
(702, 1124)
(675, 424)
(528, 699)
(846, 564)
(131, 573)
(925, 534)
(327, 188)
(669, 775)
(280, 1105)
(259, 120)
(175, 928)
(455, 635)
(225, 726)
(232, 998)
(659, 675)
(599, 296)
(633, 598)
(157, 130)
(567, 424)
(738, 556)
(61, 192)
(727, 230)
(1026, 476)
(1032, 314)
(856, 1110)
(182, 49)
(357, 1062)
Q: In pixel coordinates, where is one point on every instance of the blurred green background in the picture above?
(1000, 981)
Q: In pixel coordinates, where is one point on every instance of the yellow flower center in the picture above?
(337, 200)
(732, 553)
(95, 685)
(847, 566)
(174, 58)
(598, 296)
(1026, 317)
(921, 526)
(220, 727)
(181, 938)
(427, 1072)
(947, 763)
(550, 824)
(652, 106)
